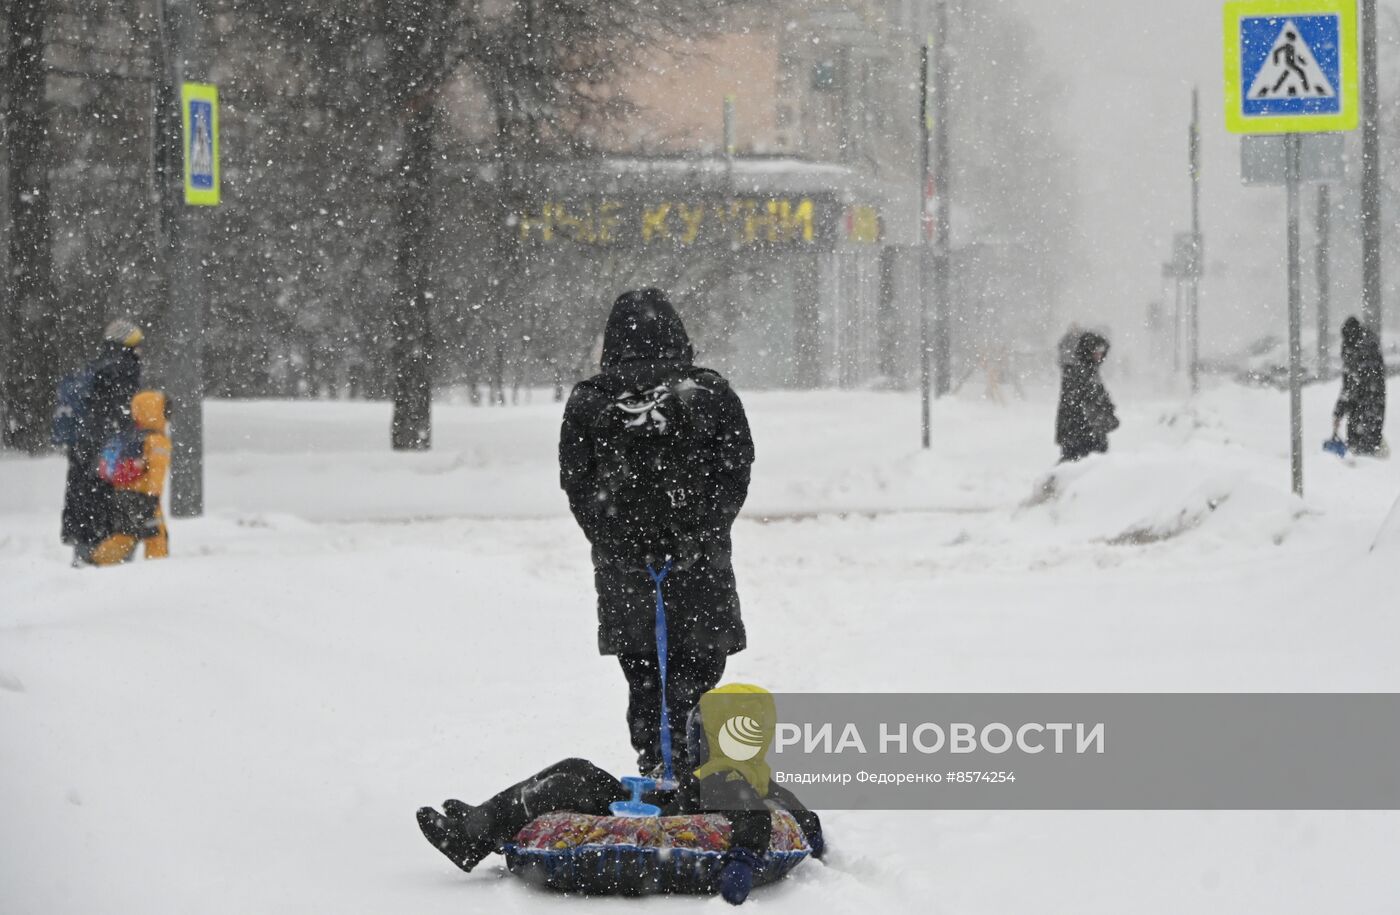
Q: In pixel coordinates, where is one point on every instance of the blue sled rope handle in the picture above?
(668, 774)
(636, 807)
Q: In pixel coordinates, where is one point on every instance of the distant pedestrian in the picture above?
(1362, 401)
(135, 463)
(1086, 414)
(654, 455)
(96, 405)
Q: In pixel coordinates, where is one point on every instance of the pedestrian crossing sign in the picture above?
(199, 115)
(1291, 66)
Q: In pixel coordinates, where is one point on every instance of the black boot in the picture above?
(453, 837)
(469, 820)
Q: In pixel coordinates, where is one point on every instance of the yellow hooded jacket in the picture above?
(739, 721)
(148, 412)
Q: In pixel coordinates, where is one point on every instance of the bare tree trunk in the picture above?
(417, 70)
(29, 321)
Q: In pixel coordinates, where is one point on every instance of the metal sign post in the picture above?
(199, 149)
(943, 228)
(1295, 316)
(189, 164)
(1324, 278)
(1291, 67)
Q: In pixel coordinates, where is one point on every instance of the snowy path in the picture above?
(352, 633)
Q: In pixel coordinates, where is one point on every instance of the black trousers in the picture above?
(574, 785)
(1364, 429)
(87, 503)
(690, 672)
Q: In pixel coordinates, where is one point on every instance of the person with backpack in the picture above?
(135, 464)
(1086, 414)
(654, 455)
(93, 406)
(1362, 401)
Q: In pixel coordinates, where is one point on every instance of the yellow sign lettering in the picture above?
(654, 222)
(692, 218)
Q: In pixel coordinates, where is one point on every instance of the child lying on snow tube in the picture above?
(726, 827)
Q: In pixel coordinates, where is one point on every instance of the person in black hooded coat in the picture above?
(116, 377)
(647, 360)
(1362, 401)
(1086, 413)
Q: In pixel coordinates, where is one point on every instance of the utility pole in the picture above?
(925, 260)
(1324, 277)
(179, 354)
(942, 325)
(1370, 172)
(1194, 268)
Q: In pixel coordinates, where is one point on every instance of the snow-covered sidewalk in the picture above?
(351, 633)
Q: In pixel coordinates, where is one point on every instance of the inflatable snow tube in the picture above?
(628, 856)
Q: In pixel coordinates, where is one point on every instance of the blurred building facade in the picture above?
(804, 271)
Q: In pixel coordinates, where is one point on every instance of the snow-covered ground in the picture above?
(352, 633)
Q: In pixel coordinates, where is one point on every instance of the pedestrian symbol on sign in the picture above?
(1291, 70)
(1291, 65)
(201, 150)
(199, 106)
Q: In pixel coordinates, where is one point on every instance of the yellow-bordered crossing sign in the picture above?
(1291, 66)
(199, 113)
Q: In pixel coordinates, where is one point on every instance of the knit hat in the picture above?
(125, 332)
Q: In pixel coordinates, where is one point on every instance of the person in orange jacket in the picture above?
(137, 516)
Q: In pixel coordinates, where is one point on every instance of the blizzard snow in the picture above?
(352, 633)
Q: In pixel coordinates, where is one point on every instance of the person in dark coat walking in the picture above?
(106, 411)
(1086, 413)
(1362, 401)
(654, 454)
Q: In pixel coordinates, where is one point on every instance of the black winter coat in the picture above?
(645, 345)
(87, 502)
(1362, 401)
(1086, 414)
(116, 377)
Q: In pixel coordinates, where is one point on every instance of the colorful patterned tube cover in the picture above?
(579, 853)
